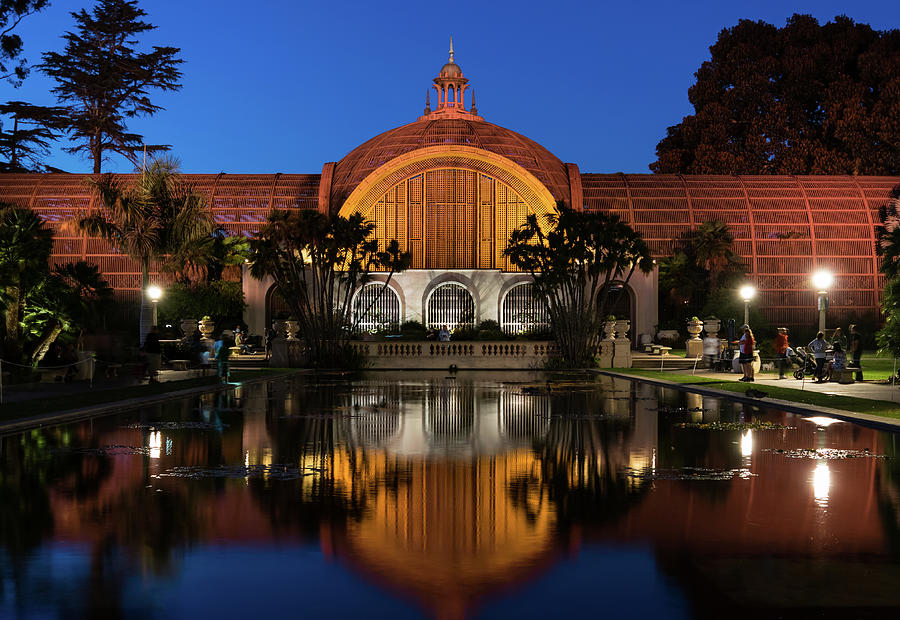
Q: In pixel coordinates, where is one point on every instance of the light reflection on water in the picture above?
(470, 495)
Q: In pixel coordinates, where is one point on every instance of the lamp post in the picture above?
(154, 293)
(822, 280)
(747, 292)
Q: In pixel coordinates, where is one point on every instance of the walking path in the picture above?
(862, 389)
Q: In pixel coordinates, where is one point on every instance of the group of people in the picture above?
(839, 346)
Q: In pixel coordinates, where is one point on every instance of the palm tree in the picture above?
(714, 247)
(25, 246)
(157, 216)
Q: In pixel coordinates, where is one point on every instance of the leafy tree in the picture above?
(802, 99)
(104, 80)
(573, 258)
(319, 263)
(222, 301)
(33, 128)
(12, 12)
(156, 216)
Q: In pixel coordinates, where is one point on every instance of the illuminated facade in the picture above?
(450, 187)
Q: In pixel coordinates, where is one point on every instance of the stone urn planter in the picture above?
(622, 326)
(609, 330)
(290, 329)
(206, 326)
(712, 327)
(188, 327)
(694, 328)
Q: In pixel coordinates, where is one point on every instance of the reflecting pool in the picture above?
(450, 496)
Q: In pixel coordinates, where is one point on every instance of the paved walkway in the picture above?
(864, 389)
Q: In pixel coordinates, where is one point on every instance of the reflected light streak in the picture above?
(822, 421)
(821, 483)
(747, 443)
(155, 443)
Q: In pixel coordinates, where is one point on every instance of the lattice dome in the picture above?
(370, 155)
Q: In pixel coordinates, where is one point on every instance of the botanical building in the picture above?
(450, 187)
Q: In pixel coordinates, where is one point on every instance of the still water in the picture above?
(464, 496)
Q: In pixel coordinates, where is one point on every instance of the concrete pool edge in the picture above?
(73, 415)
(769, 403)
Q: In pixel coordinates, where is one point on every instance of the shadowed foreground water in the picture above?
(472, 495)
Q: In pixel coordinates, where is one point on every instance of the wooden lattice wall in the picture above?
(785, 227)
(240, 204)
(450, 218)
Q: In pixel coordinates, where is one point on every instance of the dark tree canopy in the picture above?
(12, 12)
(105, 81)
(26, 136)
(802, 99)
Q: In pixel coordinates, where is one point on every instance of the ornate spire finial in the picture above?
(427, 102)
(474, 107)
(451, 48)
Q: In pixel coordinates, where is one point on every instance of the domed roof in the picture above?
(451, 69)
(364, 159)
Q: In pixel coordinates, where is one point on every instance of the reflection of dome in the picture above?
(370, 155)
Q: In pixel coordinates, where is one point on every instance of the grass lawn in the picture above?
(882, 408)
(875, 367)
(37, 406)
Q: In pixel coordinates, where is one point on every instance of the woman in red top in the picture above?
(747, 343)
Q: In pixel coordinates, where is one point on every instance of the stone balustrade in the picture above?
(431, 355)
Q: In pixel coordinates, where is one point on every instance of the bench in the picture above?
(52, 375)
(843, 376)
(657, 349)
(179, 364)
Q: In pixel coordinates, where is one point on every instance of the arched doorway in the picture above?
(376, 307)
(521, 311)
(450, 304)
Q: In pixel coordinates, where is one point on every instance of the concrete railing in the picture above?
(431, 355)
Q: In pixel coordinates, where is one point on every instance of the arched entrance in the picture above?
(376, 307)
(521, 311)
(450, 304)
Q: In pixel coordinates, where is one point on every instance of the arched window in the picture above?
(618, 301)
(450, 304)
(376, 307)
(521, 311)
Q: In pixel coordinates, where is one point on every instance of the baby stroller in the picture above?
(806, 362)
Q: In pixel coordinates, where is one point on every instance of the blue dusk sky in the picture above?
(284, 86)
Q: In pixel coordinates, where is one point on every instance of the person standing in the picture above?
(856, 352)
(818, 347)
(747, 344)
(781, 348)
(711, 351)
(223, 355)
(444, 334)
(153, 354)
(838, 337)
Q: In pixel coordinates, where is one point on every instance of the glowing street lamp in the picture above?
(747, 292)
(154, 293)
(822, 280)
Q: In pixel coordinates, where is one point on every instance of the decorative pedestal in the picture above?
(607, 350)
(621, 353)
(694, 345)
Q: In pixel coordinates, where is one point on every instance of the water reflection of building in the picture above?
(451, 527)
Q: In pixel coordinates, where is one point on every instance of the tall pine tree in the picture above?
(25, 138)
(12, 12)
(104, 80)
